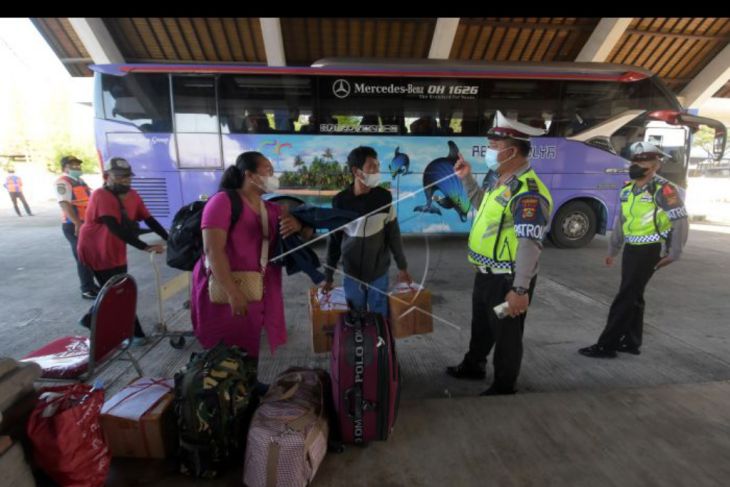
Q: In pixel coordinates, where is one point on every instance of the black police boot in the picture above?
(467, 370)
(494, 391)
(626, 348)
(597, 351)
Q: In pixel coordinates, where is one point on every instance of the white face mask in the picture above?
(370, 180)
(270, 184)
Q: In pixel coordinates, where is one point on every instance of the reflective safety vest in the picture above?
(644, 221)
(14, 184)
(492, 240)
(80, 194)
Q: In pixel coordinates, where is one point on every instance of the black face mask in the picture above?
(637, 172)
(119, 188)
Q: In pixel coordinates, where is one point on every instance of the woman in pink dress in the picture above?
(238, 248)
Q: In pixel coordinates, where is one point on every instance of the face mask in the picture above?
(117, 188)
(270, 184)
(370, 180)
(491, 157)
(637, 172)
(74, 173)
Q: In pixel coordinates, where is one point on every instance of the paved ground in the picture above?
(686, 342)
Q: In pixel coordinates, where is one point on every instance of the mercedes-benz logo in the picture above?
(341, 88)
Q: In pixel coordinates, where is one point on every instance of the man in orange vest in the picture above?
(14, 185)
(73, 196)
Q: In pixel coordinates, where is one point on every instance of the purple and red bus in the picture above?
(181, 125)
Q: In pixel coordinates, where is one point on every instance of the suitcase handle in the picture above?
(357, 401)
(350, 402)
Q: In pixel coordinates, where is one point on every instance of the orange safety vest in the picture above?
(80, 194)
(14, 184)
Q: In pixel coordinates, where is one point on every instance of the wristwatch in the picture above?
(520, 291)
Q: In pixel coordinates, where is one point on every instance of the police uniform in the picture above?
(653, 221)
(76, 193)
(505, 243)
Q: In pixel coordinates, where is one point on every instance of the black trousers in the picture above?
(488, 331)
(86, 275)
(626, 317)
(104, 276)
(15, 196)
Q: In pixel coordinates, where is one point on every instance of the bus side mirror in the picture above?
(693, 122)
(718, 145)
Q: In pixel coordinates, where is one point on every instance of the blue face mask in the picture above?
(491, 158)
(74, 173)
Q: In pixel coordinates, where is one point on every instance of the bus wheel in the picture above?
(574, 225)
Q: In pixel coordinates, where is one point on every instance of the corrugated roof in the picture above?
(541, 39)
(65, 43)
(309, 39)
(677, 49)
(188, 39)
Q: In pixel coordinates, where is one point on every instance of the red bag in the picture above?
(65, 431)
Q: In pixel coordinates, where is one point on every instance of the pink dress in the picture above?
(213, 323)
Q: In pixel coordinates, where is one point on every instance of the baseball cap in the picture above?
(118, 165)
(66, 160)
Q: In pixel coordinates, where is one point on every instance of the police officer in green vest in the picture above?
(504, 246)
(653, 222)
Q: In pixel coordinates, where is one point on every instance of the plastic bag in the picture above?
(68, 443)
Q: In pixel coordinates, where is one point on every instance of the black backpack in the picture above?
(185, 242)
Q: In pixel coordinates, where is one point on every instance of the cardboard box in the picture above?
(410, 310)
(139, 420)
(325, 312)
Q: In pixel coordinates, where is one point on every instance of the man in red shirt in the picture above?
(111, 224)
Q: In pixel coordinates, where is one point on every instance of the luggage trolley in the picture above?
(165, 291)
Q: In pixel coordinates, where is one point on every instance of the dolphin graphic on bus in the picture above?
(400, 163)
(439, 176)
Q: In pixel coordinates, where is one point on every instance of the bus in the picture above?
(181, 125)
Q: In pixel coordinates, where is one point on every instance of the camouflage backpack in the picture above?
(212, 396)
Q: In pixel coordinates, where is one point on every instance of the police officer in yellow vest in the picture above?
(653, 220)
(504, 246)
(73, 195)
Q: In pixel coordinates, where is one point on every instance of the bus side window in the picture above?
(264, 104)
(139, 100)
(533, 102)
(424, 125)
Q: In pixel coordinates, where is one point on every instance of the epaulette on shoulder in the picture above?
(532, 185)
(514, 184)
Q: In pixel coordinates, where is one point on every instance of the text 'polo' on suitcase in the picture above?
(365, 377)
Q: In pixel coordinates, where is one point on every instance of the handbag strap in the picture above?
(265, 236)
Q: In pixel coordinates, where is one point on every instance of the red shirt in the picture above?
(98, 248)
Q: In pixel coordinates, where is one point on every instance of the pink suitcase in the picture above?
(287, 439)
(365, 377)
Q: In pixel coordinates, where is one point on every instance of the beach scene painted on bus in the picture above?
(419, 171)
